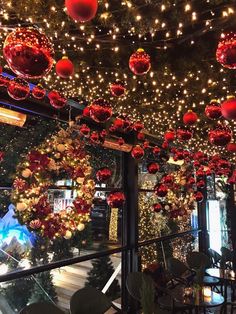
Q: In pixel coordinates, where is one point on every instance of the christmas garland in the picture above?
(63, 156)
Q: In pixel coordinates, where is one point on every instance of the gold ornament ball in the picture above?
(81, 227)
(21, 207)
(61, 148)
(57, 155)
(68, 235)
(80, 180)
(26, 173)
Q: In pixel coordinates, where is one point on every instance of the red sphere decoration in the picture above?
(169, 136)
(167, 179)
(84, 129)
(4, 81)
(221, 136)
(190, 118)
(138, 126)
(86, 112)
(100, 110)
(161, 190)
(81, 10)
(141, 136)
(116, 199)
(231, 147)
(156, 150)
(28, 53)
(228, 108)
(198, 196)
(213, 110)
(226, 51)
(137, 152)
(121, 141)
(38, 92)
(201, 184)
(103, 174)
(139, 62)
(64, 68)
(157, 208)
(184, 134)
(153, 167)
(18, 89)
(117, 89)
(56, 99)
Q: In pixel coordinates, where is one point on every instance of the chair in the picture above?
(179, 271)
(215, 258)
(41, 307)
(89, 300)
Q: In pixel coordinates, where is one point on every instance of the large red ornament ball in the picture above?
(28, 52)
(116, 199)
(190, 118)
(153, 167)
(184, 134)
(56, 99)
(213, 110)
(138, 126)
(137, 152)
(117, 89)
(18, 89)
(228, 108)
(81, 10)
(38, 92)
(226, 51)
(86, 112)
(103, 174)
(64, 68)
(169, 136)
(221, 136)
(84, 130)
(231, 147)
(139, 62)
(157, 208)
(198, 196)
(161, 190)
(100, 110)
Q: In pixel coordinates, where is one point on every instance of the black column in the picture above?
(202, 222)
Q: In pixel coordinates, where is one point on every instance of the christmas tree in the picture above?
(100, 274)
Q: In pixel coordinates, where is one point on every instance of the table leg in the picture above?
(225, 294)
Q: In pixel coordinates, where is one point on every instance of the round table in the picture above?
(197, 300)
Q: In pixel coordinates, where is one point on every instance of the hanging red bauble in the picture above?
(117, 89)
(228, 108)
(157, 208)
(146, 144)
(190, 117)
(226, 51)
(139, 62)
(38, 92)
(94, 137)
(121, 141)
(81, 10)
(86, 112)
(167, 179)
(18, 89)
(84, 129)
(161, 190)
(4, 81)
(184, 134)
(191, 181)
(119, 123)
(153, 167)
(116, 199)
(169, 136)
(100, 110)
(103, 174)
(138, 126)
(141, 136)
(201, 184)
(198, 196)
(137, 152)
(56, 99)
(221, 136)
(64, 67)
(231, 147)
(28, 53)
(156, 150)
(165, 145)
(213, 110)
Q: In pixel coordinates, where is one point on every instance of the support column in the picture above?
(202, 222)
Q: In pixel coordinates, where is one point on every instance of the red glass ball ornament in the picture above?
(119, 123)
(231, 147)
(81, 10)
(169, 136)
(156, 150)
(18, 89)
(184, 134)
(153, 167)
(221, 136)
(84, 129)
(28, 52)
(165, 145)
(94, 137)
(190, 118)
(118, 89)
(4, 81)
(228, 108)
(157, 208)
(191, 181)
(138, 126)
(116, 199)
(201, 184)
(146, 144)
(226, 51)
(198, 196)
(167, 179)
(103, 174)
(121, 141)
(38, 92)
(137, 152)
(161, 190)
(139, 62)
(100, 110)
(56, 99)
(213, 110)
(64, 68)
(141, 136)
(86, 112)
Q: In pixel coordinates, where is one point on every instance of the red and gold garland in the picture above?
(63, 154)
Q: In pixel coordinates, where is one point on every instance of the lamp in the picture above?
(12, 117)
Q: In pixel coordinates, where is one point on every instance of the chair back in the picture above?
(89, 300)
(227, 255)
(198, 260)
(134, 283)
(41, 308)
(176, 267)
(215, 257)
